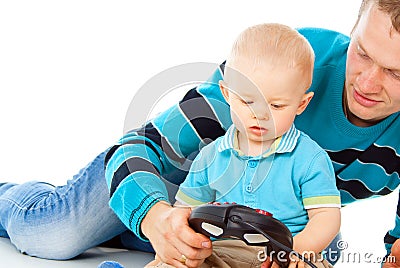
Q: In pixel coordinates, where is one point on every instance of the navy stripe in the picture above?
(109, 154)
(115, 147)
(383, 156)
(358, 190)
(130, 166)
(389, 239)
(150, 132)
(344, 157)
(201, 116)
(398, 207)
(145, 142)
(222, 67)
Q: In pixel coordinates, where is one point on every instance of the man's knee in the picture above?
(54, 247)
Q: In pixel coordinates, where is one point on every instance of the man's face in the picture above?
(372, 85)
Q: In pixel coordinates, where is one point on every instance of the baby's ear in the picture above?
(304, 102)
(224, 90)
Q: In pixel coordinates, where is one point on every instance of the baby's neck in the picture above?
(253, 148)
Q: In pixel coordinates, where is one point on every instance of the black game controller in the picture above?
(232, 220)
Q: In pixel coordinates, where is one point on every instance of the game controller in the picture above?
(233, 220)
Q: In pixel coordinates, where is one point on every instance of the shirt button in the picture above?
(249, 188)
(252, 164)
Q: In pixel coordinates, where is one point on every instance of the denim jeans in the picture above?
(333, 252)
(59, 222)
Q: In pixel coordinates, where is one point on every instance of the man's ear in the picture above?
(304, 102)
(224, 90)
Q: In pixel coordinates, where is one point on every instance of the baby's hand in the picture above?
(296, 264)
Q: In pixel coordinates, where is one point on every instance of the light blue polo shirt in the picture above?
(294, 175)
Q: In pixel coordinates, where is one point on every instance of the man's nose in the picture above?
(370, 80)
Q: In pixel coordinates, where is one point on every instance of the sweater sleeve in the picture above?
(394, 234)
(136, 165)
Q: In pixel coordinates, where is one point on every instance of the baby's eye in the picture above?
(247, 102)
(277, 106)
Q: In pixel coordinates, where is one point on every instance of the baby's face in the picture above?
(265, 100)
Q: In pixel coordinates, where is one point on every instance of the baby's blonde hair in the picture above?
(273, 43)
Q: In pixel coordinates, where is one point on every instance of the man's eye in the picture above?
(395, 75)
(363, 55)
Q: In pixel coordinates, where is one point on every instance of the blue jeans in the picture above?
(59, 222)
(333, 251)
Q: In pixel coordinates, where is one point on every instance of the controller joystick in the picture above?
(233, 220)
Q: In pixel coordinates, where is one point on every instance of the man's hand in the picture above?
(168, 230)
(394, 259)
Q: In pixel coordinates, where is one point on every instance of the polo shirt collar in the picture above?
(284, 144)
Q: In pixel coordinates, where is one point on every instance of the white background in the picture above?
(69, 69)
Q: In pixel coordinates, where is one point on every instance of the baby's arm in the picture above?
(321, 229)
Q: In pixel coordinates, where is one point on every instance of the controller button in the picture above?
(212, 229)
(249, 188)
(263, 212)
(252, 163)
(255, 238)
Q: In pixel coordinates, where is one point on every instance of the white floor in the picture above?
(363, 226)
(10, 257)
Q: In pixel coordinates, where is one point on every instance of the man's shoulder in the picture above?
(212, 147)
(323, 36)
(329, 46)
(306, 144)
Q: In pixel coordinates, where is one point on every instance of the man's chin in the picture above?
(365, 120)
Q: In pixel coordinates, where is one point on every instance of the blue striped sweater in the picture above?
(366, 160)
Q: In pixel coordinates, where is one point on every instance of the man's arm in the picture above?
(392, 241)
(135, 166)
(393, 259)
